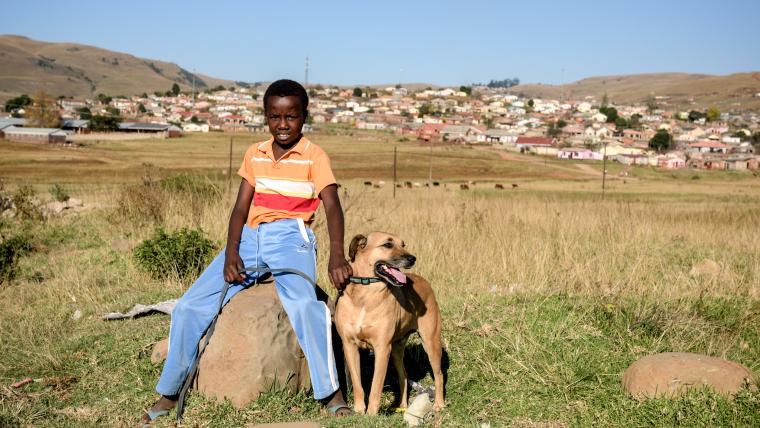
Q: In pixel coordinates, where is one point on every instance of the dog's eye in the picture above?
(388, 245)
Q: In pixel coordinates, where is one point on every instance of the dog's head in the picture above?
(380, 254)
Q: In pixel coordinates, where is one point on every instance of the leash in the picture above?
(210, 331)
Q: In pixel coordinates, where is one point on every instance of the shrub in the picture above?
(140, 203)
(11, 250)
(59, 193)
(26, 204)
(190, 184)
(183, 253)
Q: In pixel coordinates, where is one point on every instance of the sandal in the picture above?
(336, 410)
(153, 415)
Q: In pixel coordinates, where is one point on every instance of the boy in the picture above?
(284, 179)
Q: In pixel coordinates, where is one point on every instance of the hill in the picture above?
(734, 91)
(76, 70)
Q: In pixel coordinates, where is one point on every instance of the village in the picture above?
(647, 134)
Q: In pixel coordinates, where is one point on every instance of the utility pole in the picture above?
(395, 158)
(193, 87)
(306, 73)
(604, 168)
(229, 169)
(430, 166)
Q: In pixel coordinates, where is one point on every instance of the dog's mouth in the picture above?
(390, 274)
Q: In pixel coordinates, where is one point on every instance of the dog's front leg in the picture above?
(351, 352)
(397, 354)
(382, 355)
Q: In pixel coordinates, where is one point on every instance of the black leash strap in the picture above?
(210, 331)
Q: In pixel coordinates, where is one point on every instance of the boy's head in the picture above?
(285, 108)
(287, 88)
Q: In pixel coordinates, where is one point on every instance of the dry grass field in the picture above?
(548, 292)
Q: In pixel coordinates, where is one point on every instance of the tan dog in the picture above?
(381, 315)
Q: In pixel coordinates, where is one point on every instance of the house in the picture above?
(707, 162)
(77, 126)
(195, 127)
(671, 162)
(708, 146)
(741, 163)
(500, 136)
(170, 131)
(572, 131)
(430, 131)
(632, 159)
(34, 135)
(460, 133)
(578, 153)
(526, 143)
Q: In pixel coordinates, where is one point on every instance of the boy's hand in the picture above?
(233, 264)
(339, 271)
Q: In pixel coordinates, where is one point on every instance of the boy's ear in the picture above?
(359, 242)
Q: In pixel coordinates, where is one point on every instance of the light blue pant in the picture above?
(276, 245)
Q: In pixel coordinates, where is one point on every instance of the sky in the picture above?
(387, 42)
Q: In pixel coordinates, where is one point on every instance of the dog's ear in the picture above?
(359, 242)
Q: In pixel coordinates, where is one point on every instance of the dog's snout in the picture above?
(410, 259)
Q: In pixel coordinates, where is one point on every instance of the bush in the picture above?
(11, 250)
(141, 204)
(190, 184)
(59, 193)
(26, 204)
(183, 253)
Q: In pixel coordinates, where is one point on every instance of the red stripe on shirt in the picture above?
(286, 203)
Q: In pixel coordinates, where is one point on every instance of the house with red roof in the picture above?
(709, 146)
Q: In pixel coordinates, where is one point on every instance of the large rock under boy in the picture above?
(671, 374)
(253, 349)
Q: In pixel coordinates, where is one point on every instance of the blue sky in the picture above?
(440, 42)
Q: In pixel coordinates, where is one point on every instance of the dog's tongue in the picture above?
(396, 274)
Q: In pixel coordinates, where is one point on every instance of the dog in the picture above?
(381, 316)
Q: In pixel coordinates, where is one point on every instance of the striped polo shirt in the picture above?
(288, 187)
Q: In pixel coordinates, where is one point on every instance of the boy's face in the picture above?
(285, 119)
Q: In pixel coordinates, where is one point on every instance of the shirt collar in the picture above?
(299, 148)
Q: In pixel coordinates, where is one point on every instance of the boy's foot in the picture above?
(161, 408)
(335, 405)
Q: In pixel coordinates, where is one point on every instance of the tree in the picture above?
(100, 123)
(695, 115)
(113, 111)
(610, 112)
(651, 104)
(357, 92)
(712, 114)
(605, 101)
(141, 108)
(529, 106)
(621, 123)
(424, 110)
(175, 89)
(561, 124)
(195, 120)
(14, 104)
(635, 121)
(661, 141)
(466, 89)
(84, 113)
(43, 113)
(553, 131)
(104, 99)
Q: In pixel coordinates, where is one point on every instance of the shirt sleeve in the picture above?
(246, 168)
(321, 173)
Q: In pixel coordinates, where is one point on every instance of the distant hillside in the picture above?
(84, 71)
(735, 91)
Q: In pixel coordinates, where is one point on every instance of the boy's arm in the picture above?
(233, 264)
(338, 268)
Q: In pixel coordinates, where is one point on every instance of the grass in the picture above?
(548, 292)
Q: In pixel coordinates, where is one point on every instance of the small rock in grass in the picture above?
(671, 374)
(77, 315)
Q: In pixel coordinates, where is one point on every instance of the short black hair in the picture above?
(287, 88)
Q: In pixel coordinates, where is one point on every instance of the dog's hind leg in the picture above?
(382, 355)
(397, 354)
(429, 327)
(351, 352)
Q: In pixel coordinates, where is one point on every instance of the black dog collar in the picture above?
(364, 280)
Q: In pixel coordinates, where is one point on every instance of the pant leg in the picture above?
(283, 246)
(194, 312)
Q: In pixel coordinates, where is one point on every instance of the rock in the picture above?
(74, 202)
(672, 373)
(253, 348)
(706, 267)
(55, 207)
(159, 351)
(418, 409)
(76, 315)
